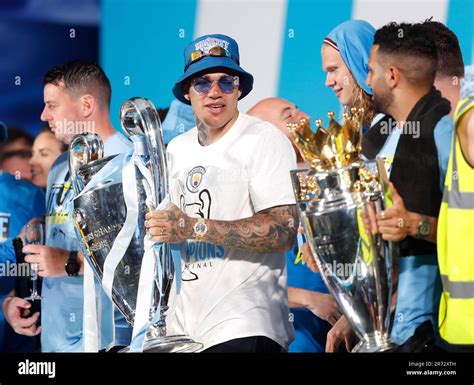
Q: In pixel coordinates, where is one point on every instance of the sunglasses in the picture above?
(214, 51)
(226, 83)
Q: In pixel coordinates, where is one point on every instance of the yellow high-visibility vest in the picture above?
(455, 240)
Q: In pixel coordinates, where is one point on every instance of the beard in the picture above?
(383, 99)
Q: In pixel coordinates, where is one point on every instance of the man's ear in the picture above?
(186, 96)
(88, 104)
(393, 76)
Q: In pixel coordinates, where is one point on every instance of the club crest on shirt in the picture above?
(194, 178)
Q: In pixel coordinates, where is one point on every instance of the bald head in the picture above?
(279, 112)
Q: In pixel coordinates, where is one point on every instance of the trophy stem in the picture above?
(160, 325)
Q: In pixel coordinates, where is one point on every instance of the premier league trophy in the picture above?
(338, 197)
(112, 196)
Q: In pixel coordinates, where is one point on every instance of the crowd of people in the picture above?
(229, 176)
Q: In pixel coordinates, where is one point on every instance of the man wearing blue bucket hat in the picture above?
(234, 205)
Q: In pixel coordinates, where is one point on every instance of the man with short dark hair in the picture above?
(450, 68)
(76, 98)
(229, 176)
(15, 154)
(402, 70)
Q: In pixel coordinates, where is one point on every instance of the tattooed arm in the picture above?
(270, 230)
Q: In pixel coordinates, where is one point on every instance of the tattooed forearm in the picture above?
(270, 230)
(203, 134)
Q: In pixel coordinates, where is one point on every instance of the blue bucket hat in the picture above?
(207, 62)
(3, 132)
(354, 39)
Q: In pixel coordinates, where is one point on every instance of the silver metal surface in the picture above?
(337, 212)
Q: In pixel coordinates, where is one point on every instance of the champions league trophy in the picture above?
(338, 198)
(105, 199)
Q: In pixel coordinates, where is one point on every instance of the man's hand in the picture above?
(50, 260)
(393, 223)
(369, 219)
(307, 255)
(308, 258)
(14, 308)
(169, 225)
(396, 223)
(340, 332)
(323, 306)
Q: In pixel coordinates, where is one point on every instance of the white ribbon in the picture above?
(90, 326)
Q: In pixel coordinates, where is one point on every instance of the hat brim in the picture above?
(208, 64)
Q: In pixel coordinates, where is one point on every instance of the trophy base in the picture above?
(169, 344)
(373, 346)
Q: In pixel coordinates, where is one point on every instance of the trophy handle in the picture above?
(139, 116)
(84, 148)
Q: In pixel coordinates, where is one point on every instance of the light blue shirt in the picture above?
(443, 134)
(179, 119)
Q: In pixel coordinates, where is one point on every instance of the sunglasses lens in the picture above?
(226, 84)
(202, 85)
(217, 51)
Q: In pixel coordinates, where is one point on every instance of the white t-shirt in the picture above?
(228, 293)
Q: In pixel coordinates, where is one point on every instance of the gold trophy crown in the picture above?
(332, 147)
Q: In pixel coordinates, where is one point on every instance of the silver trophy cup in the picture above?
(337, 208)
(100, 213)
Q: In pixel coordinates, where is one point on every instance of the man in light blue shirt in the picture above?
(77, 99)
